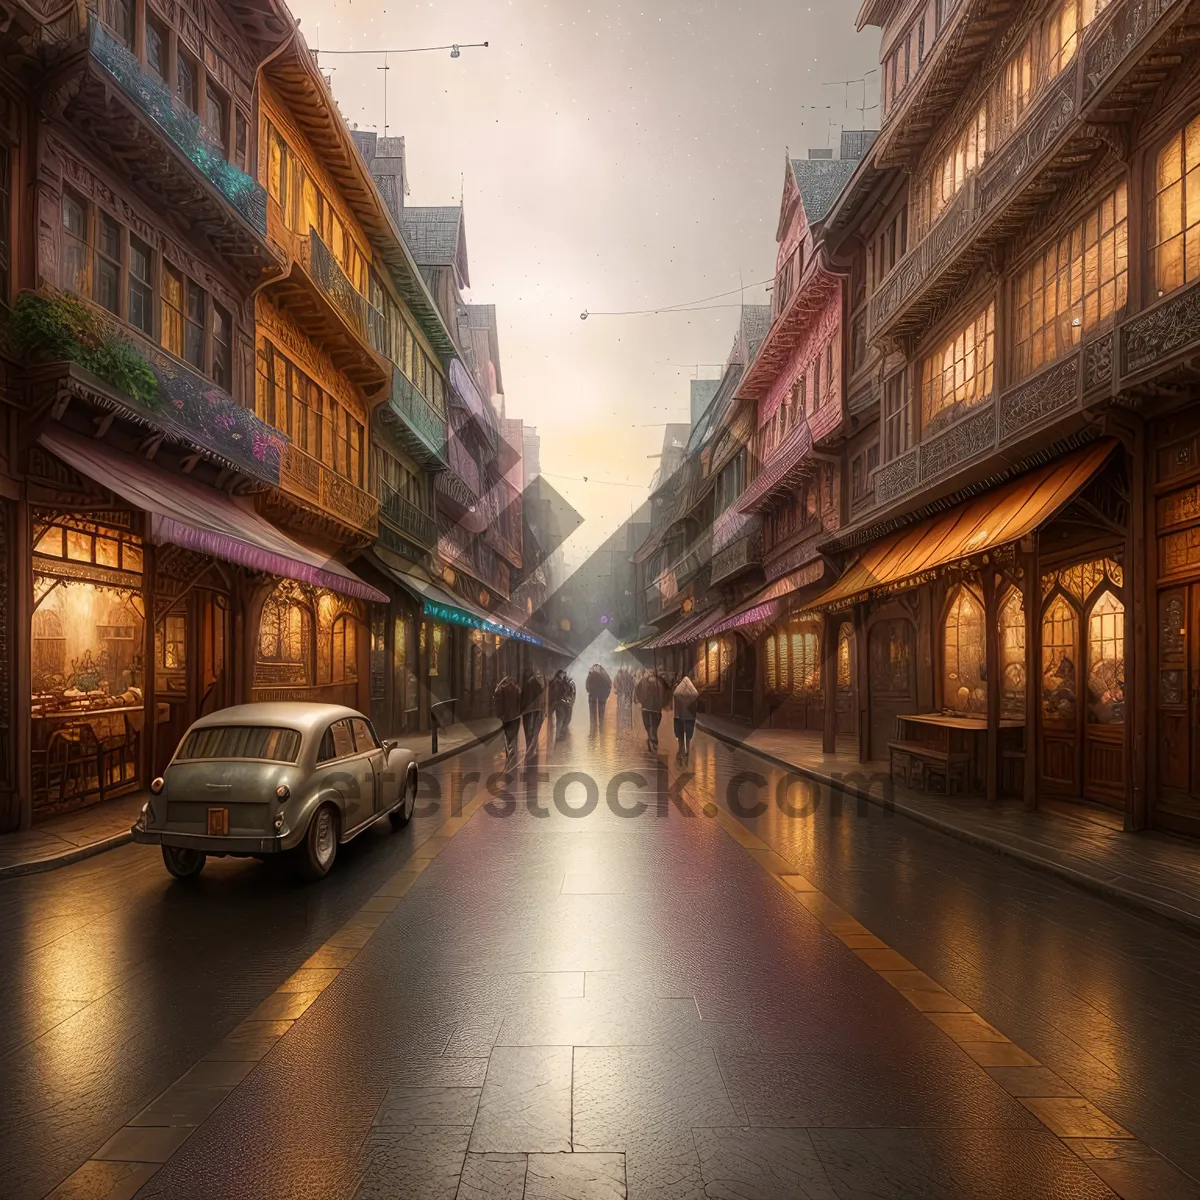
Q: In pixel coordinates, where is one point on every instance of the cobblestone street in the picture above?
(544, 997)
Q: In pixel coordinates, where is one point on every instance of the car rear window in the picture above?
(242, 741)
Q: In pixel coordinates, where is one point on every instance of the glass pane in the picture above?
(241, 741)
(1012, 654)
(964, 688)
(1106, 662)
(1059, 652)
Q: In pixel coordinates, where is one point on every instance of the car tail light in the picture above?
(283, 791)
(157, 786)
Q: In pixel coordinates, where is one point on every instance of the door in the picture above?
(371, 753)
(1178, 703)
(892, 678)
(348, 773)
(743, 678)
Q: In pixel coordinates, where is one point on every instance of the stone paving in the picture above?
(1084, 843)
(553, 999)
(562, 994)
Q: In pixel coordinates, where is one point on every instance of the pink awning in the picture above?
(768, 603)
(188, 513)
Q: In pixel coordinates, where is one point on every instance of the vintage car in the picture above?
(263, 779)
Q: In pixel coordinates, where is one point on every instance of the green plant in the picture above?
(63, 327)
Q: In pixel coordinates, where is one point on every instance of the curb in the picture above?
(1081, 879)
(79, 853)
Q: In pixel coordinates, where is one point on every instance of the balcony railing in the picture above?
(326, 272)
(309, 479)
(180, 124)
(1122, 31)
(407, 518)
(744, 554)
(421, 427)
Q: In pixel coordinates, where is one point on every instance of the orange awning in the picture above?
(996, 518)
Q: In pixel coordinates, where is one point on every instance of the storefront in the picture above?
(154, 599)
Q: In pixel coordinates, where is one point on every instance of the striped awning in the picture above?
(781, 473)
(770, 602)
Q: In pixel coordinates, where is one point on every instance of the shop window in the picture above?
(170, 643)
(785, 675)
(845, 640)
(1106, 661)
(86, 648)
(1074, 286)
(435, 649)
(1012, 654)
(964, 654)
(285, 641)
(805, 661)
(1177, 210)
(1059, 655)
(772, 673)
(958, 374)
(344, 660)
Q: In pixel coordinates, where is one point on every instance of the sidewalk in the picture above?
(72, 836)
(1151, 871)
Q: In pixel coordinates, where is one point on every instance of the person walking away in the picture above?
(506, 705)
(623, 684)
(598, 686)
(532, 694)
(556, 691)
(649, 694)
(686, 699)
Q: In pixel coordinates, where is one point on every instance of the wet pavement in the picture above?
(546, 997)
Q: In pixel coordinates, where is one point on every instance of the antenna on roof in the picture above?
(385, 68)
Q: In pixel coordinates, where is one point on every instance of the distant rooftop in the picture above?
(433, 234)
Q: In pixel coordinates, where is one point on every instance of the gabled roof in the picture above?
(437, 237)
(756, 320)
(820, 182)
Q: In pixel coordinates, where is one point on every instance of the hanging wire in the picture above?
(684, 306)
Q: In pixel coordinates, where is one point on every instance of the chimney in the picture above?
(820, 154)
(388, 168)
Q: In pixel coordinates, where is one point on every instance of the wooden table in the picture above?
(951, 752)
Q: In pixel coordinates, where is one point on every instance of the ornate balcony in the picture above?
(129, 118)
(743, 555)
(1061, 134)
(1157, 340)
(315, 499)
(328, 308)
(406, 518)
(414, 422)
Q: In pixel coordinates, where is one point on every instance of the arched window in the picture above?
(1012, 654)
(1059, 656)
(964, 661)
(1106, 662)
(785, 674)
(806, 661)
(344, 655)
(285, 635)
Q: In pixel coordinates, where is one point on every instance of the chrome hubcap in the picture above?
(324, 839)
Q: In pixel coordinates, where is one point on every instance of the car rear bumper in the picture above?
(209, 844)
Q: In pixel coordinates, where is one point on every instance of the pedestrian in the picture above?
(623, 685)
(649, 694)
(686, 699)
(506, 705)
(598, 686)
(560, 693)
(532, 695)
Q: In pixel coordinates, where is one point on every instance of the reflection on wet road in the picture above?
(587, 986)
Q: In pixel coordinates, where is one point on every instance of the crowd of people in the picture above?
(655, 692)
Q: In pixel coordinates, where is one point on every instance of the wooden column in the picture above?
(149, 685)
(1138, 602)
(20, 661)
(991, 771)
(829, 648)
(862, 695)
(1032, 601)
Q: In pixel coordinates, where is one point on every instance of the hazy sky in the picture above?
(612, 156)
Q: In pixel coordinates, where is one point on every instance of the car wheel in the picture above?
(402, 815)
(315, 855)
(183, 863)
